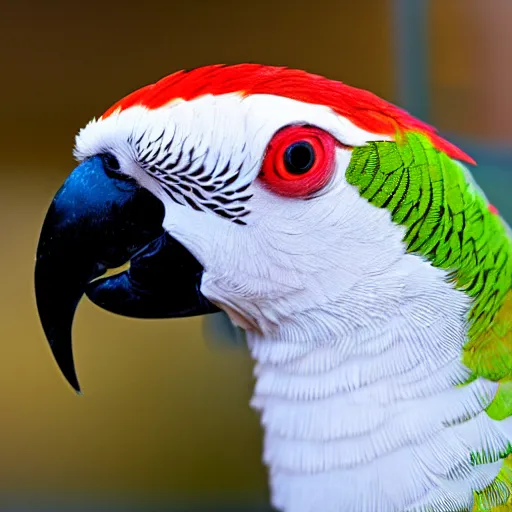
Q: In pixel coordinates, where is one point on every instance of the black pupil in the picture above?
(110, 163)
(299, 157)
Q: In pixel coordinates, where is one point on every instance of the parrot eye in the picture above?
(299, 161)
(299, 157)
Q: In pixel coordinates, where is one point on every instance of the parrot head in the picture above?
(223, 188)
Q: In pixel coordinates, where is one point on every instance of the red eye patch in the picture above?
(299, 161)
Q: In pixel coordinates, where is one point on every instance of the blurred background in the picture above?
(164, 422)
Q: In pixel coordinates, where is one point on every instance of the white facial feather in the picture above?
(357, 343)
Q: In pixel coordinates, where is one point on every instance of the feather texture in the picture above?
(381, 307)
(450, 222)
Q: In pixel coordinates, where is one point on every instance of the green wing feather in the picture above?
(450, 222)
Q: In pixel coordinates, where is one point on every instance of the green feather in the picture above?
(449, 222)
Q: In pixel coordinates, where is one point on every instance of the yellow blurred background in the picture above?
(164, 417)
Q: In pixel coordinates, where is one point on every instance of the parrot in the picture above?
(344, 237)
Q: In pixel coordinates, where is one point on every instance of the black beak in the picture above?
(99, 221)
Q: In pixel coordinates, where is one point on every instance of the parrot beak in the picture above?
(93, 223)
(96, 222)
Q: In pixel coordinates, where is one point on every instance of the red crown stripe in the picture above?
(361, 107)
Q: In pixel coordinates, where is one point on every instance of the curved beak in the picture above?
(95, 222)
(98, 222)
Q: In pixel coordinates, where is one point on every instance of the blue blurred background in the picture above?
(164, 422)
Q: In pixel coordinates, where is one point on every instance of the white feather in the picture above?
(357, 343)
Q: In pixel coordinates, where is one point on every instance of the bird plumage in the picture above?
(376, 297)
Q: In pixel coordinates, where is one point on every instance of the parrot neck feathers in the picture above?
(368, 417)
